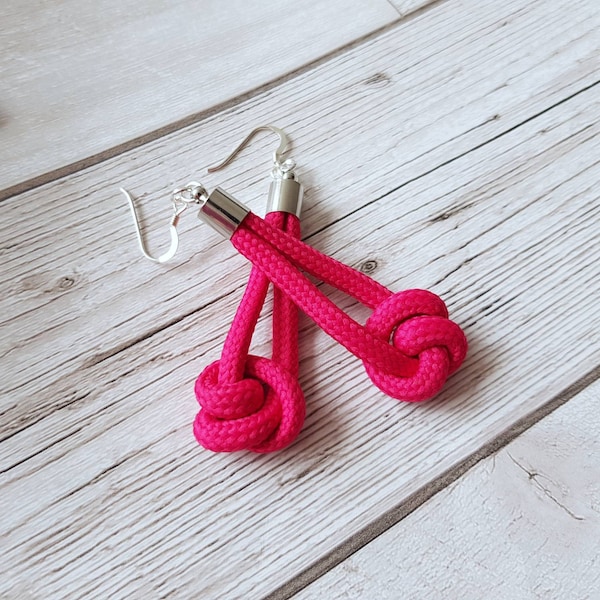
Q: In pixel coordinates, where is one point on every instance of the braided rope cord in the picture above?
(408, 345)
(426, 347)
(250, 402)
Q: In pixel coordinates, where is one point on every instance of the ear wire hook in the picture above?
(277, 154)
(181, 198)
(194, 193)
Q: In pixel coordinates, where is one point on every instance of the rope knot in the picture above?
(262, 412)
(416, 322)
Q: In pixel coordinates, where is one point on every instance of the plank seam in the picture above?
(396, 514)
(130, 343)
(198, 117)
(455, 158)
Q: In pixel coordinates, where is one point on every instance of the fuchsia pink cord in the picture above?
(408, 345)
(250, 402)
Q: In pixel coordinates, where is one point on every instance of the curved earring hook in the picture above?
(170, 253)
(277, 154)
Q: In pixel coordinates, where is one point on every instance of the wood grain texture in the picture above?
(79, 78)
(66, 270)
(523, 524)
(457, 186)
(406, 7)
(114, 494)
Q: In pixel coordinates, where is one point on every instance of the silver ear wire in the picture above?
(285, 192)
(219, 209)
(277, 154)
(181, 198)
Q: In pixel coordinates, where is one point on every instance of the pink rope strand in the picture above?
(426, 346)
(408, 345)
(250, 402)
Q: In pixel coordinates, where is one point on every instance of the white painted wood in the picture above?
(522, 524)
(105, 493)
(406, 7)
(81, 77)
(112, 497)
(77, 288)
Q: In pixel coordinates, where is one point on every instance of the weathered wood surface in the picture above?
(451, 153)
(78, 288)
(524, 523)
(406, 7)
(79, 78)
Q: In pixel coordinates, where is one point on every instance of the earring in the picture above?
(408, 345)
(251, 402)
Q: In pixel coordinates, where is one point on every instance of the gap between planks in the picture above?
(467, 459)
(197, 117)
(417, 499)
(449, 161)
(110, 469)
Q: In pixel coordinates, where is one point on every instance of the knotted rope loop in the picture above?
(416, 322)
(262, 412)
(249, 402)
(408, 345)
(413, 363)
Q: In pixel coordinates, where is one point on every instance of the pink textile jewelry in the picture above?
(250, 402)
(408, 345)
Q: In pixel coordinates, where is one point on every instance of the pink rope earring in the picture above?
(408, 345)
(237, 413)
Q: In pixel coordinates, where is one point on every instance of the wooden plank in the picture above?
(129, 504)
(127, 497)
(67, 268)
(523, 523)
(78, 79)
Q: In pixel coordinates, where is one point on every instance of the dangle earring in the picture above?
(250, 402)
(408, 345)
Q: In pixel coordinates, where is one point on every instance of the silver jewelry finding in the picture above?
(219, 209)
